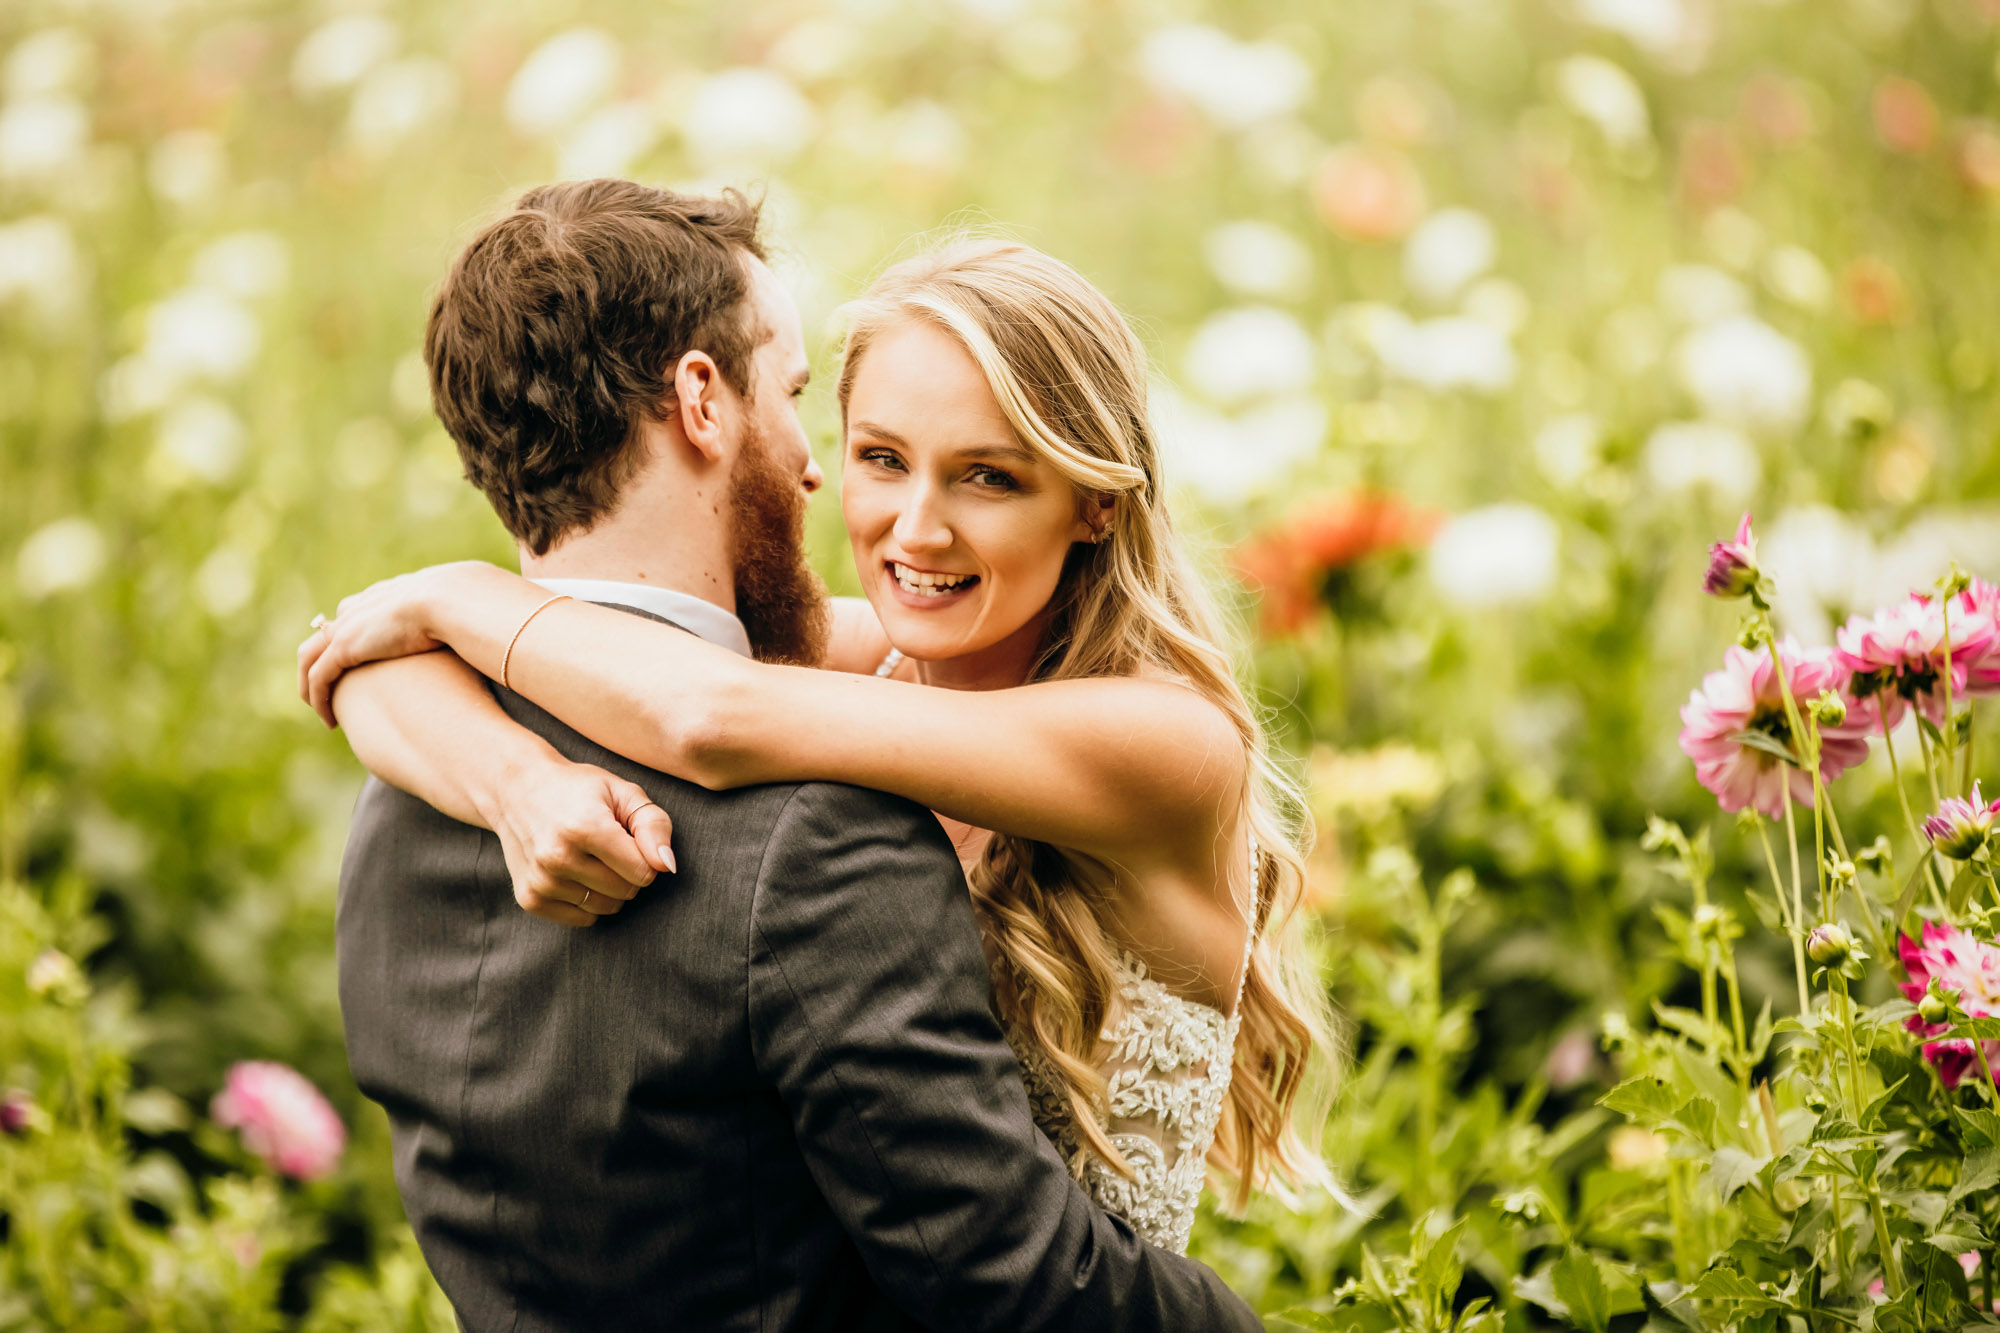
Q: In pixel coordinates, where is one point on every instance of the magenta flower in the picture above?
(1732, 566)
(1744, 700)
(1960, 826)
(283, 1117)
(1896, 658)
(16, 1109)
(1957, 960)
(1975, 620)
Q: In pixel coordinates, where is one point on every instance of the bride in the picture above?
(1036, 661)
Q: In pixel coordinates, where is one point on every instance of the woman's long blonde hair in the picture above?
(1072, 378)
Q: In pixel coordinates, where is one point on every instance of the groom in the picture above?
(769, 1094)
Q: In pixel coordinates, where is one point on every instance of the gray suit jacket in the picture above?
(769, 1095)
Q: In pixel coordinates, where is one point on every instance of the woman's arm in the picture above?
(1139, 771)
(428, 725)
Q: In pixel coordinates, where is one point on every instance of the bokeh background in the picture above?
(1473, 322)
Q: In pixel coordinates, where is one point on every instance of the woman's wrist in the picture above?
(508, 768)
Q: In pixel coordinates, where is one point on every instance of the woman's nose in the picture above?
(921, 526)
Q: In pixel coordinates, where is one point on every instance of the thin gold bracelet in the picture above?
(508, 657)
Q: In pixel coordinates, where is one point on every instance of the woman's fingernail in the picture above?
(667, 856)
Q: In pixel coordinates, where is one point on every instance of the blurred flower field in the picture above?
(1476, 322)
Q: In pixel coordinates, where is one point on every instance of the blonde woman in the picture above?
(1038, 663)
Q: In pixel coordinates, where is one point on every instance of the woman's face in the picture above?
(959, 531)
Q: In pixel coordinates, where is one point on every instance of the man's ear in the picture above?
(697, 384)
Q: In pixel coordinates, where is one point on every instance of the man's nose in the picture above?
(813, 477)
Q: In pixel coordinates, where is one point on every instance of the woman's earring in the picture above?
(1101, 536)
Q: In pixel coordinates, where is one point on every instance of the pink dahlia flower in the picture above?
(1960, 826)
(1957, 960)
(1732, 566)
(1896, 657)
(1975, 620)
(283, 1117)
(1743, 699)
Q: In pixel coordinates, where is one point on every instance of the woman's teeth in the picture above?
(929, 585)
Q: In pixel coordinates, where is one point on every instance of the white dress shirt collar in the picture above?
(704, 619)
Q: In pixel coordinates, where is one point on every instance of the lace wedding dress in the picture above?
(1167, 1062)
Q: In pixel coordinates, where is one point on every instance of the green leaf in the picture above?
(1698, 1118)
(1980, 1172)
(1313, 1319)
(1982, 1128)
(1758, 740)
(1962, 885)
(1954, 1241)
(1732, 1169)
(1872, 1113)
(1908, 897)
(1726, 1284)
(1580, 1286)
(1438, 1272)
(1646, 1100)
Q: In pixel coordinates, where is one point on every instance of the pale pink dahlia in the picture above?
(283, 1117)
(1957, 960)
(1975, 619)
(1896, 657)
(1744, 698)
(1960, 826)
(1732, 566)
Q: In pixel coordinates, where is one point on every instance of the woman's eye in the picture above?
(994, 477)
(882, 458)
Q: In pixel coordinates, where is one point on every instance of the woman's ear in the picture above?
(697, 405)
(1094, 517)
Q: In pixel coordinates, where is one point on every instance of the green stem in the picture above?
(1892, 1268)
(1965, 771)
(1930, 765)
(1840, 1260)
(1798, 902)
(1791, 927)
(1910, 819)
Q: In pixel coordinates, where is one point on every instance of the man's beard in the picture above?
(780, 601)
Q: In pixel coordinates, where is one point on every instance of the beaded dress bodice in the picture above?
(1166, 1062)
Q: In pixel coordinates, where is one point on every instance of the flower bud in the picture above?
(1732, 566)
(16, 1107)
(1876, 858)
(1935, 1006)
(1839, 871)
(1960, 827)
(1829, 710)
(1829, 945)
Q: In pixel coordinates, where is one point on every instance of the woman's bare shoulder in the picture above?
(857, 643)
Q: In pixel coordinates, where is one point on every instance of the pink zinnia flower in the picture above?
(1896, 658)
(1958, 961)
(1960, 826)
(1732, 566)
(283, 1117)
(1745, 697)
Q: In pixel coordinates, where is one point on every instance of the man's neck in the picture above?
(658, 555)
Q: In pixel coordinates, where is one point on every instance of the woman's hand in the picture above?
(388, 619)
(579, 842)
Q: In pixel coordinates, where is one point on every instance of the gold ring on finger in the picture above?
(586, 900)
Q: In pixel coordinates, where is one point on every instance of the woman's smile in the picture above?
(927, 589)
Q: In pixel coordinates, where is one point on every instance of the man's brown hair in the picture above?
(557, 330)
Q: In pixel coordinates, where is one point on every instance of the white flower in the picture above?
(1566, 449)
(338, 53)
(747, 116)
(40, 136)
(608, 141)
(1501, 555)
(1681, 455)
(1699, 293)
(1235, 84)
(1257, 259)
(815, 49)
(134, 386)
(1227, 459)
(1498, 302)
(226, 581)
(1742, 370)
(1455, 352)
(200, 435)
(1796, 276)
(1657, 25)
(925, 136)
(186, 167)
(561, 79)
(1605, 95)
(1250, 352)
(1451, 248)
(201, 332)
(1820, 562)
(398, 99)
(40, 263)
(48, 63)
(244, 264)
(65, 554)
